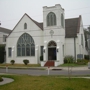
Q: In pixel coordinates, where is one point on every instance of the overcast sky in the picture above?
(12, 10)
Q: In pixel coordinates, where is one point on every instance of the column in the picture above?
(45, 51)
(36, 54)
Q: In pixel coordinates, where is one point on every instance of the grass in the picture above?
(26, 82)
(72, 64)
(20, 65)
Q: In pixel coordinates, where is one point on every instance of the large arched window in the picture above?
(25, 25)
(62, 20)
(25, 45)
(51, 19)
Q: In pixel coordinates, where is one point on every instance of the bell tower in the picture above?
(53, 16)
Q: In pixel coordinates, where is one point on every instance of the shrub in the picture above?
(41, 58)
(12, 62)
(82, 61)
(68, 59)
(1, 79)
(26, 61)
(86, 57)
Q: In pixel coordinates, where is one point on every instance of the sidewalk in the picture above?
(6, 80)
(51, 68)
(73, 68)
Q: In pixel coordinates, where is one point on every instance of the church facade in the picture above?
(53, 39)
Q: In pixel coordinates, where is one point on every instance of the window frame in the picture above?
(62, 20)
(51, 19)
(9, 52)
(4, 38)
(25, 39)
(25, 25)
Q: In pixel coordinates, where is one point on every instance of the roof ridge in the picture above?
(5, 28)
(37, 23)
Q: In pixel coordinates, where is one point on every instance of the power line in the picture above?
(50, 10)
(47, 29)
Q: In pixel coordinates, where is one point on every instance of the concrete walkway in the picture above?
(6, 80)
(73, 68)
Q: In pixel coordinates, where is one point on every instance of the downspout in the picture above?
(75, 49)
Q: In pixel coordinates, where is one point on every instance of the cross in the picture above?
(51, 32)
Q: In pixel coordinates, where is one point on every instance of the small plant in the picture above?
(12, 62)
(68, 59)
(86, 57)
(82, 61)
(41, 58)
(26, 61)
(1, 79)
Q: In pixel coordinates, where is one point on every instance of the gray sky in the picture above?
(12, 10)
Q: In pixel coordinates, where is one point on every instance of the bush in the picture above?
(41, 58)
(1, 79)
(82, 61)
(12, 62)
(26, 61)
(68, 59)
(86, 57)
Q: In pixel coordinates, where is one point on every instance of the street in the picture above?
(45, 72)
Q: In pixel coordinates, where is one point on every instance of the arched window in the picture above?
(25, 25)
(51, 19)
(51, 44)
(62, 20)
(25, 45)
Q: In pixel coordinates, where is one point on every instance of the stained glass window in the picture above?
(25, 45)
(51, 19)
(62, 20)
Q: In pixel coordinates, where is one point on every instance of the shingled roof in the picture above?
(4, 30)
(72, 27)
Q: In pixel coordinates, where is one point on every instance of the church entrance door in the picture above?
(52, 51)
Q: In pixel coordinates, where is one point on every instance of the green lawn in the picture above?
(72, 65)
(26, 82)
(20, 65)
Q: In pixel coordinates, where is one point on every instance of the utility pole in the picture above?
(89, 43)
(75, 49)
(0, 22)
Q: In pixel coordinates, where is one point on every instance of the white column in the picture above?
(36, 54)
(58, 53)
(58, 50)
(45, 51)
(13, 52)
(61, 54)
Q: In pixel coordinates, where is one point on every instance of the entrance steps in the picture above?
(49, 63)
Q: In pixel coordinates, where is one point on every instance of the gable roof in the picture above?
(37, 23)
(72, 27)
(4, 30)
(40, 25)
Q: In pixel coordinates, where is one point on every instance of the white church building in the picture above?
(54, 38)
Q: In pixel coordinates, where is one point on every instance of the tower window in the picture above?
(51, 19)
(25, 25)
(62, 20)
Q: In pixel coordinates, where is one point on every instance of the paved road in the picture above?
(45, 72)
